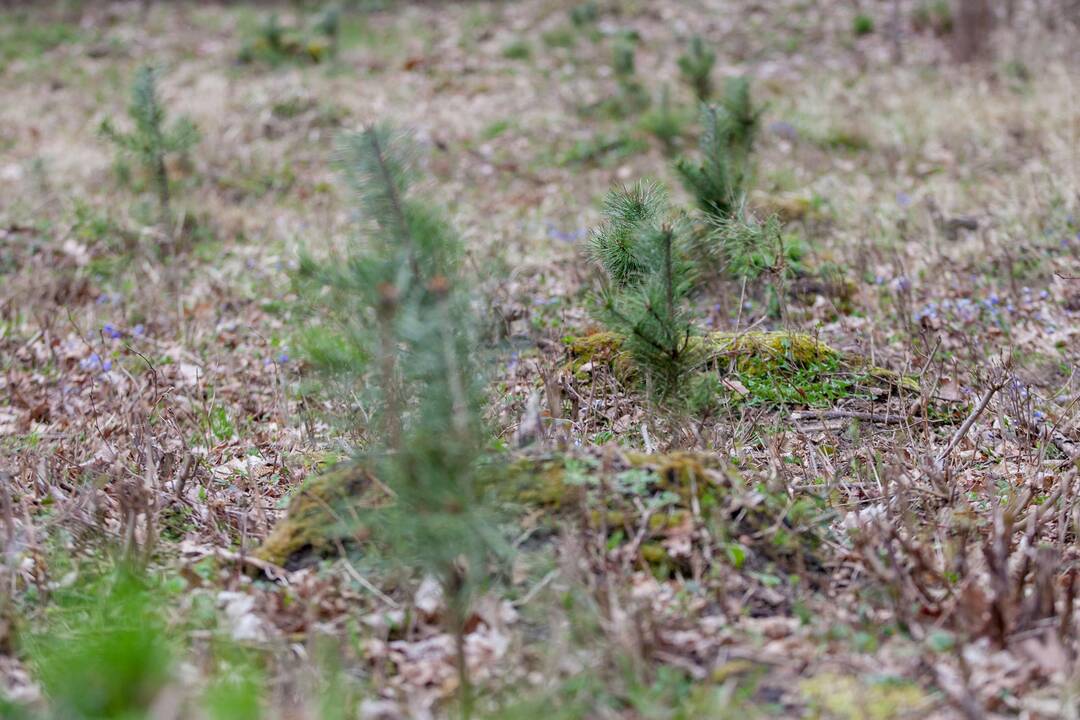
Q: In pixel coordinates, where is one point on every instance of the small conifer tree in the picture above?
(719, 179)
(665, 122)
(644, 253)
(151, 139)
(696, 66)
(743, 115)
(584, 14)
(743, 244)
(397, 318)
(633, 97)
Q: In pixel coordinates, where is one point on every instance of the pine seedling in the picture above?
(743, 114)
(400, 319)
(633, 97)
(151, 140)
(622, 57)
(744, 245)
(664, 122)
(644, 253)
(696, 66)
(719, 180)
(585, 14)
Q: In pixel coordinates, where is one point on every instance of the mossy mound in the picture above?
(757, 354)
(321, 517)
(669, 511)
(750, 349)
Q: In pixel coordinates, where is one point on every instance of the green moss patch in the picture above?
(780, 368)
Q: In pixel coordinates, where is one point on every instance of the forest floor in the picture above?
(878, 556)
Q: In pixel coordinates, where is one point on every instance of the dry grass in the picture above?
(151, 404)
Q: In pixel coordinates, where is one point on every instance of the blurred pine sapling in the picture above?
(644, 252)
(633, 97)
(862, 24)
(275, 43)
(394, 317)
(665, 122)
(748, 246)
(719, 179)
(696, 66)
(585, 14)
(151, 138)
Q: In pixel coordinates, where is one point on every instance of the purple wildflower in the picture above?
(111, 330)
(556, 234)
(784, 129)
(95, 362)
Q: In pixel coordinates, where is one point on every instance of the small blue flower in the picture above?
(283, 358)
(1044, 294)
(784, 129)
(1038, 416)
(556, 234)
(95, 362)
(138, 329)
(879, 279)
(903, 200)
(902, 284)
(111, 330)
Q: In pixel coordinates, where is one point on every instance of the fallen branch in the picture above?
(847, 415)
(968, 422)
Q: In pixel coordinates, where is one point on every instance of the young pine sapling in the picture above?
(632, 98)
(665, 122)
(719, 180)
(644, 253)
(151, 139)
(696, 66)
(401, 325)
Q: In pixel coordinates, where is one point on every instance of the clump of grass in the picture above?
(519, 49)
(275, 43)
(862, 25)
(31, 40)
(103, 651)
(561, 37)
(603, 148)
(934, 15)
(151, 138)
(696, 66)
